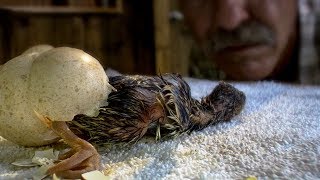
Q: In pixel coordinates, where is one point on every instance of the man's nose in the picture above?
(230, 14)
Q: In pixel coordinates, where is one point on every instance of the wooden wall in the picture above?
(122, 41)
(172, 41)
(141, 39)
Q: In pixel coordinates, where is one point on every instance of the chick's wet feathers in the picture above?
(161, 106)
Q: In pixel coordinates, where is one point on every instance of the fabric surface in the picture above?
(276, 136)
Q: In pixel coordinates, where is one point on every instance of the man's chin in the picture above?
(247, 75)
(249, 68)
(250, 71)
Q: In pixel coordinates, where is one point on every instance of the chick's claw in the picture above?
(84, 160)
(83, 157)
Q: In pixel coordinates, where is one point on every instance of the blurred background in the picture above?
(133, 37)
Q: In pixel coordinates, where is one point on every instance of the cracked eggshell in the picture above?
(57, 83)
(65, 82)
(18, 123)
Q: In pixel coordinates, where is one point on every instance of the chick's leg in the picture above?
(83, 157)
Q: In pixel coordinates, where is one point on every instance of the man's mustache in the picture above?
(248, 33)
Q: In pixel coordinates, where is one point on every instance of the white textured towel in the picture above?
(276, 136)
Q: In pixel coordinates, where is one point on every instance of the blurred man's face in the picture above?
(247, 39)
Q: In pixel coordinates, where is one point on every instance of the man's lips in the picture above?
(238, 47)
(243, 49)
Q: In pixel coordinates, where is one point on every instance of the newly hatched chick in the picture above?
(161, 106)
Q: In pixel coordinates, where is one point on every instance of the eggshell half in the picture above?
(57, 84)
(18, 123)
(65, 82)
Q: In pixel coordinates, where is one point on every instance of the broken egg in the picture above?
(56, 84)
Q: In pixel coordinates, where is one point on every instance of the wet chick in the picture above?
(160, 106)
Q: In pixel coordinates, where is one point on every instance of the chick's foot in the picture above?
(82, 158)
